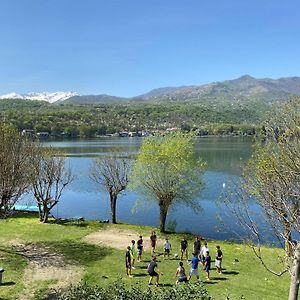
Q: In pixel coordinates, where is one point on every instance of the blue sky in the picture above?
(128, 47)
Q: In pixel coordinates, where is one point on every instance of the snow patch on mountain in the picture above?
(49, 97)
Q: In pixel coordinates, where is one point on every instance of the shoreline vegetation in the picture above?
(85, 121)
(40, 259)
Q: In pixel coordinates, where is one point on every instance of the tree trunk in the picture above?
(113, 206)
(295, 275)
(4, 203)
(288, 240)
(40, 212)
(45, 213)
(162, 217)
(46, 216)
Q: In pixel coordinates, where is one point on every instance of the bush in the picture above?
(119, 291)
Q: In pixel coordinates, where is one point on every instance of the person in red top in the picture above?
(140, 248)
(153, 239)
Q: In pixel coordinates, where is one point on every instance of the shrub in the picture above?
(118, 290)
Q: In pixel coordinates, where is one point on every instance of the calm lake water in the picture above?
(224, 157)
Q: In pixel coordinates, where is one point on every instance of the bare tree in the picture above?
(276, 188)
(16, 154)
(50, 178)
(112, 174)
(250, 230)
(272, 178)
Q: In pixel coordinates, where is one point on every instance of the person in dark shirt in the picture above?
(128, 261)
(197, 245)
(218, 262)
(152, 272)
(140, 248)
(207, 263)
(184, 248)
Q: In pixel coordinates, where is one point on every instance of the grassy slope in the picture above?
(246, 277)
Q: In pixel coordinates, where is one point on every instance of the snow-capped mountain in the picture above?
(49, 97)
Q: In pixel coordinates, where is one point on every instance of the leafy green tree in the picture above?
(167, 171)
(16, 154)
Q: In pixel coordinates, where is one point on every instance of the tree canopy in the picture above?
(16, 155)
(167, 171)
(100, 119)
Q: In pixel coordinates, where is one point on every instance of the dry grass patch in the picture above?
(118, 238)
(44, 266)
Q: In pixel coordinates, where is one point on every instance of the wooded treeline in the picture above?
(92, 120)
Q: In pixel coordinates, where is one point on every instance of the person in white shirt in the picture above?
(167, 248)
(203, 251)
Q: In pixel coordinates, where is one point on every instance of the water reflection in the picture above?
(224, 157)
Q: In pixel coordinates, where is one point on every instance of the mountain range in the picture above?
(237, 90)
(49, 97)
(241, 88)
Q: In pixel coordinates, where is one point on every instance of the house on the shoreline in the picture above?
(43, 135)
(123, 134)
(27, 133)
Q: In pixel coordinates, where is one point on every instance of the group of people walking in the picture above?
(133, 253)
(200, 256)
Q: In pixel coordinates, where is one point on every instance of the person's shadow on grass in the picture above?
(166, 284)
(219, 278)
(142, 267)
(230, 272)
(8, 283)
(140, 275)
(210, 282)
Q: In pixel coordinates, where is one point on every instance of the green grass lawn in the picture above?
(243, 273)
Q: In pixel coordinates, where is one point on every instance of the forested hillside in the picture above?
(101, 119)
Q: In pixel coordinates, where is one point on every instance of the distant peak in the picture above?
(246, 77)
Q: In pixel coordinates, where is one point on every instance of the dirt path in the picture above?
(45, 265)
(118, 239)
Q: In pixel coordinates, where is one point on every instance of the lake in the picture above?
(224, 157)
